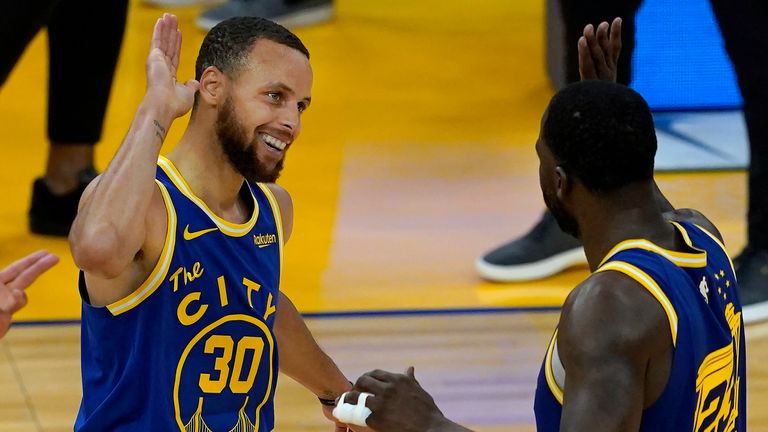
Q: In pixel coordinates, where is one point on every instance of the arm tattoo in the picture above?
(159, 130)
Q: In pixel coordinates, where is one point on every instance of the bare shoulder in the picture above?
(695, 217)
(283, 197)
(607, 312)
(285, 202)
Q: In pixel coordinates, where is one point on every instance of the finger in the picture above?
(352, 396)
(594, 48)
(166, 30)
(176, 50)
(7, 300)
(602, 38)
(28, 275)
(369, 384)
(172, 42)
(383, 375)
(19, 301)
(156, 33)
(193, 85)
(411, 372)
(586, 66)
(173, 28)
(615, 39)
(14, 269)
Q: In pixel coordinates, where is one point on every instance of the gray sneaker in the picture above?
(542, 252)
(287, 13)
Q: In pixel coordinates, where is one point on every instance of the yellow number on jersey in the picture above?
(718, 382)
(222, 366)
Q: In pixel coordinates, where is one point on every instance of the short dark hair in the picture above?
(228, 44)
(602, 133)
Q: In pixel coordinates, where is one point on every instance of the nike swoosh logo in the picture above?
(195, 234)
(266, 245)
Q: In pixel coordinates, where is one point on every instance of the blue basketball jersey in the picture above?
(192, 348)
(706, 390)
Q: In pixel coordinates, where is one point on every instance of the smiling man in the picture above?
(181, 256)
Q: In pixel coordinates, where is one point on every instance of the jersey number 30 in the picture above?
(228, 370)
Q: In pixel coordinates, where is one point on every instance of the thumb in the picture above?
(411, 373)
(193, 85)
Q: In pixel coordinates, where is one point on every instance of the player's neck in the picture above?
(202, 163)
(608, 221)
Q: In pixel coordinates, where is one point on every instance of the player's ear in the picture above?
(212, 83)
(562, 182)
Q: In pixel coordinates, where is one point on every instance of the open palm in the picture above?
(162, 64)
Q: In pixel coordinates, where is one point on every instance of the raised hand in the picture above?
(599, 51)
(17, 277)
(162, 65)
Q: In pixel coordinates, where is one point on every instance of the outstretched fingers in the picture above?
(31, 273)
(11, 272)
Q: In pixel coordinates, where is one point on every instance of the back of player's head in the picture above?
(602, 133)
(228, 44)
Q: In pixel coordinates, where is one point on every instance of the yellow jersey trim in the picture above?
(229, 228)
(681, 259)
(278, 220)
(646, 281)
(549, 374)
(722, 246)
(156, 278)
(204, 332)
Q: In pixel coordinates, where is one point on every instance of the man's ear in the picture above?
(562, 183)
(212, 85)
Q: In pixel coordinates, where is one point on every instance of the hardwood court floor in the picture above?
(481, 368)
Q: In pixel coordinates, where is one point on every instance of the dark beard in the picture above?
(240, 153)
(565, 221)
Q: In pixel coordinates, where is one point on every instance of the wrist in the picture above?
(328, 397)
(153, 106)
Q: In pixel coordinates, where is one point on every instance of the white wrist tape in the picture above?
(353, 414)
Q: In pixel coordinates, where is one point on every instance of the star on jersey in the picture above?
(704, 289)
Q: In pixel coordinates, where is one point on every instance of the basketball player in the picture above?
(15, 278)
(181, 256)
(652, 340)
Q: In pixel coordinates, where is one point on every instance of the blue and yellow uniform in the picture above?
(193, 348)
(706, 390)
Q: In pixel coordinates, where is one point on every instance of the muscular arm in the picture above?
(615, 345)
(110, 227)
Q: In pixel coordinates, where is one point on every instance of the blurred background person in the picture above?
(84, 39)
(545, 250)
